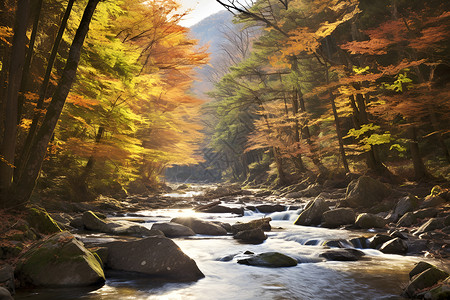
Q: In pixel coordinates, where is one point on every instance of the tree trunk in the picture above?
(26, 68)
(43, 91)
(17, 62)
(420, 170)
(26, 182)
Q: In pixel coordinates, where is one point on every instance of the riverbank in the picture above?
(231, 200)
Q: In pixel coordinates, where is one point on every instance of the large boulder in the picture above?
(173, 229)
(337, 217)
(263, 224)
(312, 215)
(365, 192)
(60, 261)
(155, 256)
(394, 246)
(5, 294)
(404, 205)
(201, 226)
(39, 218)
(269, 260)
(346, 254)
(7, 277)
(253, 236)
(407, 220)
(367, 221)
(424, 281)
(378, 240)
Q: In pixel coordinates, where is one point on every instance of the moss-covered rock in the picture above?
(60, 261)
(424, 281)
(269, 260)
(39, 219)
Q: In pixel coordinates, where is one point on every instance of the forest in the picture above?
(276, 149)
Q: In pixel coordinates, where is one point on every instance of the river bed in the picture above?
(377, 276)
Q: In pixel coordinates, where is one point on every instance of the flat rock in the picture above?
(344, 254)
(155, 256)
(173, 229)
(200, 226)
(269, 260)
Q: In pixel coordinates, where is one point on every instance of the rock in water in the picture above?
(254, 236)
(394, 246)
(366, 221)
(60, 261)
(424, 281)
(337, 217)
(173, 229)
(269, 260)
(347, 254)
(366, 192)
(419, 268)
(263, 224)
(312, 215)
(156, 256)
(200, 226)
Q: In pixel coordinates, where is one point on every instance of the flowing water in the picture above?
(378, 276)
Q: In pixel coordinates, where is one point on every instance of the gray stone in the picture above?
(404, 205)
(337, 217)
(424, 281)
(432, 201)
(253, 236)
(269, 260)
(5, 294)
(366, 221)
(431, 224)
(173, 229)
(156, 256)
(267, 208)
(263, 224)
(7, 277)
(407, 220)
(426, 213)
(365, 192)
(378, 240)
(346, 254)
(92, 222)
(201, 226)
(394, 246)
(419, 268)
(77, 222)
(60, 261)
(312, 215)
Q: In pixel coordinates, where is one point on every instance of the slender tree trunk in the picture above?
(298, 161)
(279, 164)
(17, 62)
(420, 170)
(26, 68)
(26, 183)
(43, 91)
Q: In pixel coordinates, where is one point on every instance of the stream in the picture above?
(377, 276)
